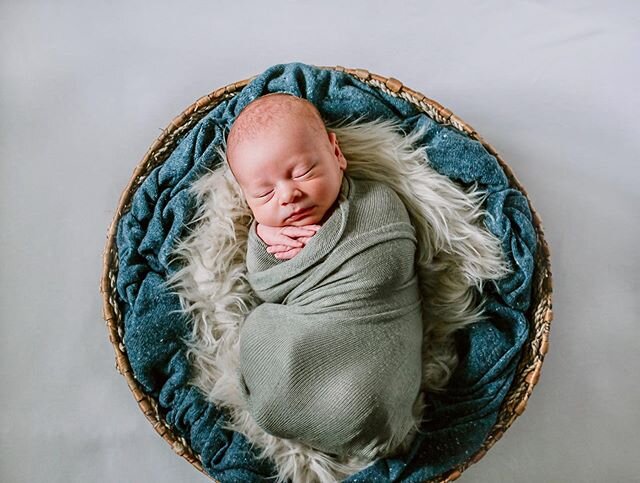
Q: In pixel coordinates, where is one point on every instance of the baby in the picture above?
(289, 168)
(332, 358)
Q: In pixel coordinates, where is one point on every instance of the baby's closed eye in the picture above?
(264, 195)
(304, 174)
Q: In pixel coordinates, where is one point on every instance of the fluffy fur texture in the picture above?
(456, 255)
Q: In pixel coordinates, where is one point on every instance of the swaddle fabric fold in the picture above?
(333, 356)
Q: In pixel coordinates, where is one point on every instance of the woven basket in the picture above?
(539, 314)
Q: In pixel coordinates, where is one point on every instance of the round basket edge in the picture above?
(540, 313)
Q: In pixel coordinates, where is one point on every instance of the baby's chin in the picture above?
(311, 218)
(307, 220)
(315, 217)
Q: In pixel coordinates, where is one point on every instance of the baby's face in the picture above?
(289, 167)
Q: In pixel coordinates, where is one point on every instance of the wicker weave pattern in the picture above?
(539, 315)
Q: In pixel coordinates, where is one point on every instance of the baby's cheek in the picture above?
(266, 215)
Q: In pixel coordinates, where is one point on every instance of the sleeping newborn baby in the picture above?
(333, 356)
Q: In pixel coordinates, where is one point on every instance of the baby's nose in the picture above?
(289, 194)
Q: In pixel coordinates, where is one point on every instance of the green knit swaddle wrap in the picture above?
(333, 356)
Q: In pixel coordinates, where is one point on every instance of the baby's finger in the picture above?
(288, 254)
(278, 248)
(285, 240)
(296, 231)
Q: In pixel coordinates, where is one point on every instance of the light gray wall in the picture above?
(87, 86)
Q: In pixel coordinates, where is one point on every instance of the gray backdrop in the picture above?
(86, 87)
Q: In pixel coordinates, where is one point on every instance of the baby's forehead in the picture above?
(264, 112)
(279, 104)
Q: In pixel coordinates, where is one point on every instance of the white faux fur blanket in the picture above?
(456, 255)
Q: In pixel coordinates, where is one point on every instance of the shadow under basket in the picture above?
(539, 314)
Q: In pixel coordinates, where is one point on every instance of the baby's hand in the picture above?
(285, 242)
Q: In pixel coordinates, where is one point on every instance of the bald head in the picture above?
(268, 110)
(285, 160)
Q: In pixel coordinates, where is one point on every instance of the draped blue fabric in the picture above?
(155, 328)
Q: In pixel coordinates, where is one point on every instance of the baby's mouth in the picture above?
(299, 214)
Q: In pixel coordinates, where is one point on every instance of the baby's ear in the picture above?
(342, 161)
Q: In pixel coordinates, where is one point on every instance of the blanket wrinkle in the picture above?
(345, 369)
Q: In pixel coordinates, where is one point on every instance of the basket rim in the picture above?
(539, 315)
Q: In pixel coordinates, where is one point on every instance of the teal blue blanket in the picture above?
(155, 328)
